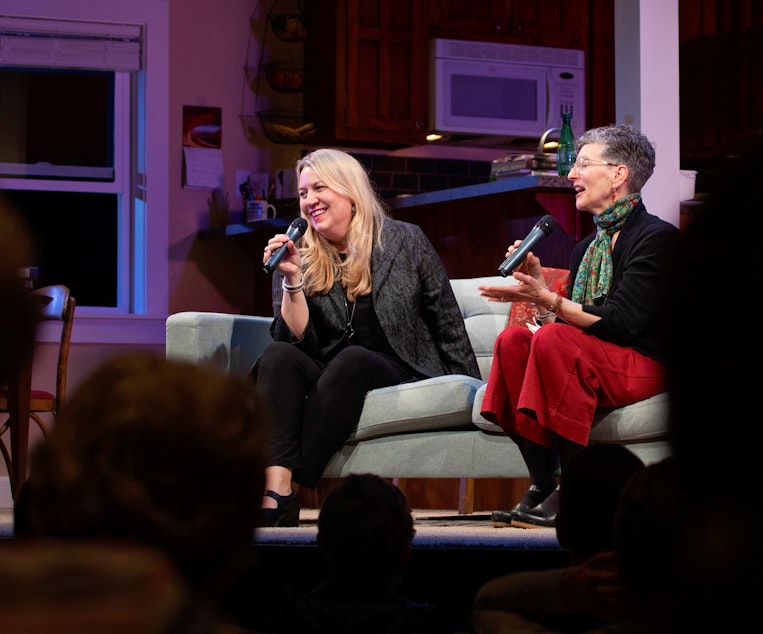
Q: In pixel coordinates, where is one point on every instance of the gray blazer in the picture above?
(413, 301)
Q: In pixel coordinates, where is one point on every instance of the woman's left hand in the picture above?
(528, 289)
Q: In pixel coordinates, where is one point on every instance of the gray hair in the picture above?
(624, 145)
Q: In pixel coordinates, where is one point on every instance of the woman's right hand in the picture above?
(291, 264)
(530, 265)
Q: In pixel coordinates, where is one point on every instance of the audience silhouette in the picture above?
(645, 533)
(159, 452)
(365, 531)
(713, 384)
(588, 594)
(18, 318)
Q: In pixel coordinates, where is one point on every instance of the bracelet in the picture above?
(533, 304)
(292, 289)
(554, 308)
(548, 315)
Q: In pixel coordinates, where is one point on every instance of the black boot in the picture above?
(532, 497)
(541, 464)
(543, 515)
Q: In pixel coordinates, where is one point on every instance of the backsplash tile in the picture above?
(396, 175)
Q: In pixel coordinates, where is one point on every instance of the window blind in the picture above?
(30, 42)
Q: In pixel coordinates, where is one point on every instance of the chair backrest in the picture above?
(485, 320)
(57, 304)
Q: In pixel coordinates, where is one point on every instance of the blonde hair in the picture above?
(322, 265)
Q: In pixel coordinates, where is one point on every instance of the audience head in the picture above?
(160, 451)
(646, 539)
(18, 318)
(365, 530)
(588, 498)
(93, 587)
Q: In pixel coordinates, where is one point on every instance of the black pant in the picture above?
(315, 407)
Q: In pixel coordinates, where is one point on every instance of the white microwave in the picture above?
(504, 90)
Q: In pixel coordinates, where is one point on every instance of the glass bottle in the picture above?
(565, 151)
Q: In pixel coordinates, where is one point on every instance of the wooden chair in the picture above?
(56, 304)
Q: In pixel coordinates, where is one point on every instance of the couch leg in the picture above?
(466, 496)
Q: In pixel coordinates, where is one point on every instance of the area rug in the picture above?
(434, 529)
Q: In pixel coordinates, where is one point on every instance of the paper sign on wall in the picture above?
(203, 168)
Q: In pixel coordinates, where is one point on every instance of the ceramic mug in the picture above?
(257, 210)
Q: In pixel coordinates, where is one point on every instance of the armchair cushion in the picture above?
(638, 421)
(441, 402)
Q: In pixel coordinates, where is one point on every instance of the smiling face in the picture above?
(598, 181)
(328, 211)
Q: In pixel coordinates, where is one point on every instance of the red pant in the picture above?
(554, 380)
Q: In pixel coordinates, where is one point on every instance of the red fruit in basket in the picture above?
(279, 79)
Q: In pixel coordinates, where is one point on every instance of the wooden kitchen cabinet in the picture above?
(366, 70)
(554, 23)
(367, 61)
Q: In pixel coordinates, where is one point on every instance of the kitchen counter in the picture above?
(471, 227)
(474, 193)
(470, 193)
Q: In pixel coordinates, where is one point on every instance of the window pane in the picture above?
(76, 235)
(48, 130)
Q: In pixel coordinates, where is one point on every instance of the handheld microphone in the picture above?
(294, 233)
(542, 228)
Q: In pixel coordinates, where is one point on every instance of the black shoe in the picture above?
(542, 515)
(285, 514)
(532, 497)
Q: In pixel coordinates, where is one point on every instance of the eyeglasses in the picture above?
(582, 164)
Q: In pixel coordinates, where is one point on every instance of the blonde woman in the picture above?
(363, 302)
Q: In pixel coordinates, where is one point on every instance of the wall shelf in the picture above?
(272, 225)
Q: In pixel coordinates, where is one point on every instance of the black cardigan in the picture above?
(414, 303)
(631, 316)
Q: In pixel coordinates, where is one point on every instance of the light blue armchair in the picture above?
(430, 428)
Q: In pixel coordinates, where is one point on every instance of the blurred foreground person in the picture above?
(714, 398)
(159, 452)
(589, 594)
(18, 317)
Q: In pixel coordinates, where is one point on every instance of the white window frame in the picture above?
(119, 185)
(143, 251)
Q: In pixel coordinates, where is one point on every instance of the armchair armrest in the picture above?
(228, 342)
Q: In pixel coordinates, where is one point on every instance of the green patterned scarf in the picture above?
(595, 271)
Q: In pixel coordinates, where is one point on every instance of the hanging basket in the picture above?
(286, 126)
(288, 27)
(284, 76)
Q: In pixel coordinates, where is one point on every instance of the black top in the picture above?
(632, 314)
